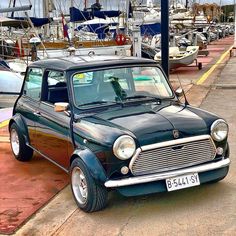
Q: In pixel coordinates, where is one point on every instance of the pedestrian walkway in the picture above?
(227, 79)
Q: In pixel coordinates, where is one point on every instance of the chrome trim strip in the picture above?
(135, 156)
(165, 175)
(175, 142)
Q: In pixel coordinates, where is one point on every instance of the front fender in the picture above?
(93, 164)
(21, 125)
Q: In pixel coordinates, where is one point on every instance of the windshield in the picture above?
(96, 88)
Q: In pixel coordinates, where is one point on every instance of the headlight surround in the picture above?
(124, 147)
(219, 130)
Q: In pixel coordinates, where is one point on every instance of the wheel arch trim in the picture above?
(21, 125)
(92, 163)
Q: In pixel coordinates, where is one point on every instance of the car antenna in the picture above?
(185, 98)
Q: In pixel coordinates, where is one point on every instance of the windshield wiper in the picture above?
(97, 103)
(158, 100)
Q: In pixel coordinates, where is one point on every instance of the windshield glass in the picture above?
(109, 86)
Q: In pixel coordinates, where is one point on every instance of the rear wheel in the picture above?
(88, 195)
(19, 148)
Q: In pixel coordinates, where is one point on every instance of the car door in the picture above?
(29, 101)
(53, 128)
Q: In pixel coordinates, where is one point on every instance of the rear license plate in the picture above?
(183, 181)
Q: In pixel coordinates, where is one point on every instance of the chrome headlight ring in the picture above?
(124, 147)
(219, 130)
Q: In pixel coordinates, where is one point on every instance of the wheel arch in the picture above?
(92, 163)
(21, 125)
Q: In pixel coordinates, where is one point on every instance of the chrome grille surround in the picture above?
(172, 155)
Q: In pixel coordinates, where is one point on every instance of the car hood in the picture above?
(146, 123)
(156, 124)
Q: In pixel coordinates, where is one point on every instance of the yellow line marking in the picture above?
(4, 139)
(207, 74)
(4, 123)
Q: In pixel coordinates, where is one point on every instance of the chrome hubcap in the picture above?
(15, 142)
(79, 185)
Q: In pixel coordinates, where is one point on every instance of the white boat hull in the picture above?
(106, 50)
(180, 58)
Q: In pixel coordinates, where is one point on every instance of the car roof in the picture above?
(75, 62)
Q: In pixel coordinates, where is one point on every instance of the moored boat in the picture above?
(179, 58)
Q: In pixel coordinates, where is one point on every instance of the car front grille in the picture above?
(172, 155)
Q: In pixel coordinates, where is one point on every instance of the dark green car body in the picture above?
(175, 137)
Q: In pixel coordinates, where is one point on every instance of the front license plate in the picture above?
(183, 181)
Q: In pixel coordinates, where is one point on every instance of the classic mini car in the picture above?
(116, 123)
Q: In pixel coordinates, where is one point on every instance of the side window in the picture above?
(33, 82)
(55, 88)
(56, 78)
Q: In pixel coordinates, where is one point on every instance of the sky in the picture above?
(107, 4)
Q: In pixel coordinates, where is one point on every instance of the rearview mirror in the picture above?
(61, 106)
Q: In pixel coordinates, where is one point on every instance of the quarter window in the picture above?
(33, 83)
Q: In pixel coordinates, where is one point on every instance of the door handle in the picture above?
(37, 113)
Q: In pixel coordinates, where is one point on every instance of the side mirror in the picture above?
(179, 92)
(61, 106)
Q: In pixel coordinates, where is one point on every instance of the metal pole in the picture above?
(127, 15)
(234, 23)
(72, 25)
(10, 9)
(165, 36)
(14, 4)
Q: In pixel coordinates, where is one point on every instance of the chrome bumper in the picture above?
(165, 175)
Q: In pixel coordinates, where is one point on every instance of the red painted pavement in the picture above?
(25, 186)
(191, 74)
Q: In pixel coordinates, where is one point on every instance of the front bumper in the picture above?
(162, 176)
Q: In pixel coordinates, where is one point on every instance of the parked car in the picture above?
(10, 86)
(116, 123)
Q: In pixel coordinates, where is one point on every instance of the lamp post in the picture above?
(165, 36)
(234, 23)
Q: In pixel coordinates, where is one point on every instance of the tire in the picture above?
(199, 66)
(88, 195)
(18, 146)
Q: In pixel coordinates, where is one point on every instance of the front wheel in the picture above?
(19, 148)
(88, 195)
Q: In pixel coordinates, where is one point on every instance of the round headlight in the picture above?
(219, 130)
(124, 147)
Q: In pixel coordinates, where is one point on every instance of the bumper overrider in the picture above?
(209, 167)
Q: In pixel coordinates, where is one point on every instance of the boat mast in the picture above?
(46, 15)
(14, 4)
(72, 24)
(186, 6)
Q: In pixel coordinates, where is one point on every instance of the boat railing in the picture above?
(10, 52)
